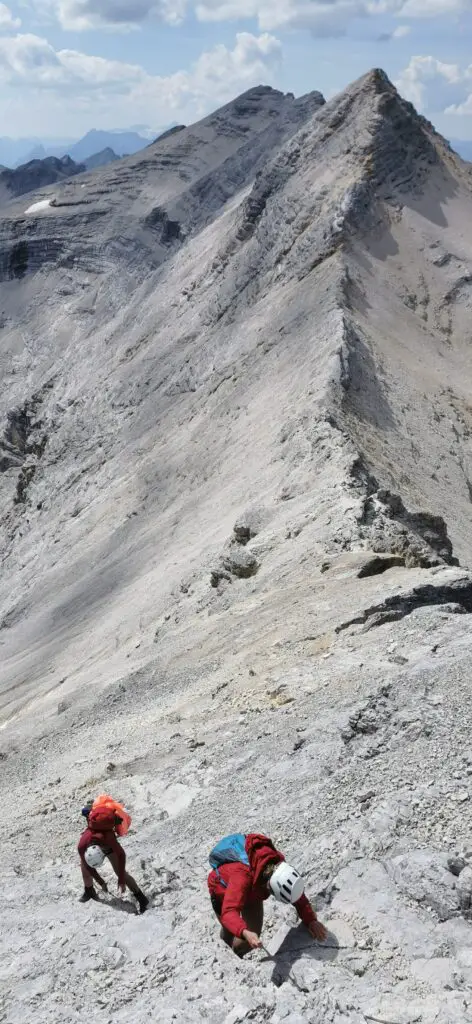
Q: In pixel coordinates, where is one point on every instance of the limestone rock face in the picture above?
(235, 588)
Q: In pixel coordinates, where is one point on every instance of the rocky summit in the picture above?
(235, 532)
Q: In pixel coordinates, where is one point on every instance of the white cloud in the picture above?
(463, 109)
(7, 21)
(33, 67)
(82, 15)
(252, 57)
(321, 17)
(435, 87)
(28, 60)
(434, 8)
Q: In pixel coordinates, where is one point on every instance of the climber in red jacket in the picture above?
(239, 887)
(97, 842)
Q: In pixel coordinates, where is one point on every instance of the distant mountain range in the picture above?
(16, 152)
(39, 171)
(35, 174)
(44, 167)
(101, 159)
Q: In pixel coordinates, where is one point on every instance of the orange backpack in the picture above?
(107, 803)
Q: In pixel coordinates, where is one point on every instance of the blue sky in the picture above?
(70, 65)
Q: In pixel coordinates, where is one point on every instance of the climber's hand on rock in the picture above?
(252, 939)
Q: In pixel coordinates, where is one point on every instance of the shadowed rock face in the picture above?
(36, 174)
(235, 532)
(101, 159)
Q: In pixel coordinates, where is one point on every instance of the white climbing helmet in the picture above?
(286, 884)
(94, 856)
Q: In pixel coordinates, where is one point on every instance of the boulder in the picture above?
(424, 876)
(249, 524)
(240, 562)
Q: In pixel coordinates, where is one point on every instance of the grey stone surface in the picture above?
(425, 877)
(254, 313)
(464, 890)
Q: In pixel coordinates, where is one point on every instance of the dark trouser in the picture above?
(130, 882)
(253, 914)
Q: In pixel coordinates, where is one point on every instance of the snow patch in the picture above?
(43, 204)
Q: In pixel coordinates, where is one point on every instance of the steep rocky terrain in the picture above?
(235, 500)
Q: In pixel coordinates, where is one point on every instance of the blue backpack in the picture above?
(230, 850)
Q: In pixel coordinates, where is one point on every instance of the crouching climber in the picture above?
(247, 869)
(99, 841)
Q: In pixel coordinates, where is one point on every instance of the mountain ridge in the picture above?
(235, 520)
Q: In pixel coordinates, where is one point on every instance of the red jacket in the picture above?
(243, 885)
(109, 842)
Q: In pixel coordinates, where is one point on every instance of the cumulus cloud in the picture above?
(252, 57)
(7, 21)
(435, 87)
(82, 15)
(28, 60)
(29, 63)
(321, 17)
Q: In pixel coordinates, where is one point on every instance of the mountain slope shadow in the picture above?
(298, 945)
(125, 906)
